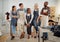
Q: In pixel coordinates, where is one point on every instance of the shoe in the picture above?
(38, 36)
(22, 35)
(35, 37)
(32, 36)
(28, 37)
(12, 37)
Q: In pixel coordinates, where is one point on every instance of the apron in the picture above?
(13, 23)
(21, 20)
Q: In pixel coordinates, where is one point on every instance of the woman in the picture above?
(29, 18)
(13, 22)
(21, 20)
(36, 18)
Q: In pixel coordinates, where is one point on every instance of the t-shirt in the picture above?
(45, 11)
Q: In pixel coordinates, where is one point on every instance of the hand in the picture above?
(8, 20)
(14, 16)
(37, 21)
(28, 25)
(16, 29)
(45, 13)
(40, 17)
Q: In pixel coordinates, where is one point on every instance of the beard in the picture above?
(45, 5)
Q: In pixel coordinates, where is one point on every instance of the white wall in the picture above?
(58, 8)
(0, 12)
(7, 4)
(0, 8)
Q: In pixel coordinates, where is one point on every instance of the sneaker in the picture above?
(12, 37)
(35, 37)
(22, 35)
(28, 37)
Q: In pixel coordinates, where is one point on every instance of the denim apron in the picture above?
(13, 22)
(35, 24)
(28, 18)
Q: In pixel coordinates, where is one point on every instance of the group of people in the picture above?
(21, 18)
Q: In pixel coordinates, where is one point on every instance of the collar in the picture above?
(28, 14)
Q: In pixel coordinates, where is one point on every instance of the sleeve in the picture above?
(48, 11)
(18, 13)
(10, 15)
(33, 12)
(31, 18)
(25, 19)
(41, 11)
(25, 10)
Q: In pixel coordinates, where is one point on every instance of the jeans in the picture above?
(29, 30)
(13, 29)
(35, 25)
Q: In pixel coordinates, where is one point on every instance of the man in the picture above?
(21, 20)
(45, 12)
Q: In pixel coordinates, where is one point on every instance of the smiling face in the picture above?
(28, 10)
(13, 8)
(21, 6)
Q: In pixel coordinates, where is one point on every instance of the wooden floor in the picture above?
(7, 38)
(3, 38)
